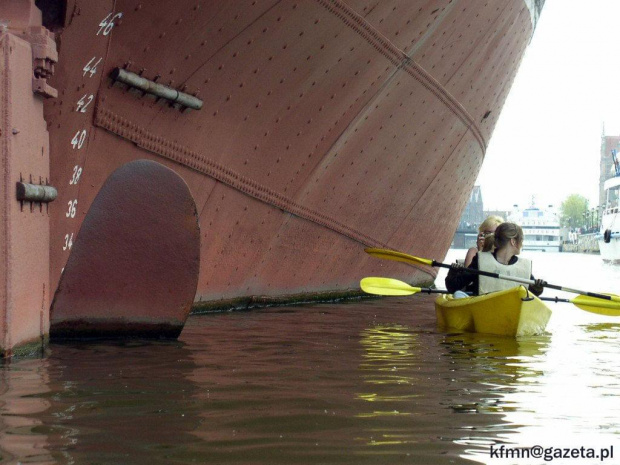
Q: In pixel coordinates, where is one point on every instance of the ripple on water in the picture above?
(363, 382)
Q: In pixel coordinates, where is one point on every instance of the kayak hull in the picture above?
(513, 312)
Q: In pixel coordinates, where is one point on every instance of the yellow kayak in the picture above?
(513, 312)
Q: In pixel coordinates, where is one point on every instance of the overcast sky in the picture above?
(547, 140)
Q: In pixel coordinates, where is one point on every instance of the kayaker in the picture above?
(504, 260)
(486, 229)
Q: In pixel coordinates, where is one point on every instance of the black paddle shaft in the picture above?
(521, 280)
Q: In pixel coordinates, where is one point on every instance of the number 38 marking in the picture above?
(77, 172)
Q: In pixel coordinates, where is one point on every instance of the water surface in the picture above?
(362, 382)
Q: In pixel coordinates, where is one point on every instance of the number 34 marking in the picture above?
(68, 242)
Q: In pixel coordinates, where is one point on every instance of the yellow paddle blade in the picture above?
(387, 286)
(596, 305)
(397, 256)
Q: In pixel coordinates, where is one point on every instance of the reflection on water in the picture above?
(365, 382)
(23, 394)
(97, 404)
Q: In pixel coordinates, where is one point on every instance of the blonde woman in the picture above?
(486, 229)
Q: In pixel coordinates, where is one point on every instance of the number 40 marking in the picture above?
(78, 139)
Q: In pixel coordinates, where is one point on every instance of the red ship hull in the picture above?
(326, 126)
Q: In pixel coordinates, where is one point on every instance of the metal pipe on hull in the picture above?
(159, 90)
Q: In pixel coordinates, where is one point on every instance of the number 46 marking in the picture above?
(106, 26)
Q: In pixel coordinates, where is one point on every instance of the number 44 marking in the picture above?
(91, 68)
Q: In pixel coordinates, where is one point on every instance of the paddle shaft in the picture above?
(555, 299)
(524, 281)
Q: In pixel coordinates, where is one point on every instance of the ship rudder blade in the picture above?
(133, 270)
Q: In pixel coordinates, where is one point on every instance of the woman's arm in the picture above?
(458, 279)
(537, 288)
(471, 253)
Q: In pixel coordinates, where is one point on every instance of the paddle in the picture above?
(389, 286)
(589, 304)
(410, 259)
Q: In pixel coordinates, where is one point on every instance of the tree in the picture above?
(572, 211)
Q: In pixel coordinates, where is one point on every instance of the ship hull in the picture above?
(325, 127)
(609, 238)
(610, 252)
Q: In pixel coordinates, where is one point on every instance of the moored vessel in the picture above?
(541, 227)
(609, 237)
(277, 138)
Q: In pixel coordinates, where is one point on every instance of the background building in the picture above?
(608, 143)
(473, 215)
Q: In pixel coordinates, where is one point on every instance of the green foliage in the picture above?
(572, 211)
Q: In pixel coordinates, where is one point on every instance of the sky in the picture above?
(547, 140)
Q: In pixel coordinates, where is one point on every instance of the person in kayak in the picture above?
(504, 260)
(484, 243)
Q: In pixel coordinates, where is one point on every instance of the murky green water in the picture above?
(365, 382)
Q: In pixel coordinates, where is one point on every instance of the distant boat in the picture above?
(609, 238)
(541, 228)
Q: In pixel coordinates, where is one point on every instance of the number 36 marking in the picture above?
(72, 209)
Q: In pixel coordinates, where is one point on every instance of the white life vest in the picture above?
(487, 262)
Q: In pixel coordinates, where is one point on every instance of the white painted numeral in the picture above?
(72, 209)
(84, 102)
(106, 26)
(91, 68)
(68, 242)
(77, 172)
(78, 139)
